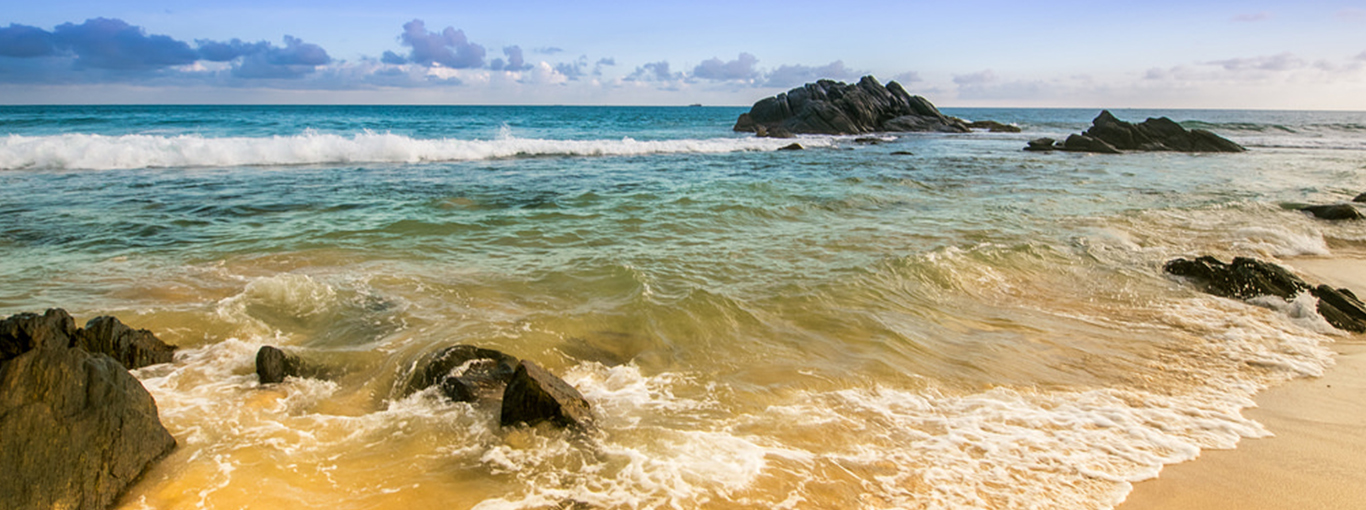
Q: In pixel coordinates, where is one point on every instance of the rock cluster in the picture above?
(523, 391)
(1110, 135)
(75, 427)
(836, 108)
(1247, 278)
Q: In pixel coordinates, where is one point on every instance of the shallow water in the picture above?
(969, 326)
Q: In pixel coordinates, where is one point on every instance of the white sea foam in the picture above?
(100, 152)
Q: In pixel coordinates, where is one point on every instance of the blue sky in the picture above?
(1191, 54)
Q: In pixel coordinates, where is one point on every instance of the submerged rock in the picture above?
(465, 373)
(792, 147)
(536, 396)
(75, 427)
(1333, 212)
(837, 108)
(1111, 135)
(1249, 278)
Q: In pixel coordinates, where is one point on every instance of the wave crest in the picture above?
(101, 152)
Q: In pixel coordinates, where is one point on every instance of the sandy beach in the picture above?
(1317, 458)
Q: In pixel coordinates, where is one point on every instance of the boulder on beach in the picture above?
(536, 396)
(76, 429)
(274, 365)
(1247, 278)
(837, 108)
(1111, 135)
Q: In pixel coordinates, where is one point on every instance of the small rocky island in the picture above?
(1109, 135)
(830, 107)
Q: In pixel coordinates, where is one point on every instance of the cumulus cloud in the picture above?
(654, 71)
(295, 59)
(794, 75)
(23, 41)
(609, 61)
(449, 48)
(515, 62)
(548, 50)
(742, 68)
(103, 43)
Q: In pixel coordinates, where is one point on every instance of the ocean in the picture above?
(848, 326)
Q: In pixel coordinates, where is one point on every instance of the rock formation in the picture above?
(465, 373)
(76, 428)
(1248, 278)
(836, 108)
(535, 396)
(1333, 212)
(1111, 135)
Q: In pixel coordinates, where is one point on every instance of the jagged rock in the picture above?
(1249, 278)
(274, 365)
(75, 427)
(1333, 212)
(1083, 143)
(1245, 278)
(465, 373)
(535, 396)
(836, 108)
(134, 348)
(993, 126)
(792, 147)
(1343, 310)
(1154, 134)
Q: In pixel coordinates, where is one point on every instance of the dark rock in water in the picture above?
(1341, 308)
(837, 108)
(792, 147)
(1042, 145)
(1154, 134)
(868, 140)
(1083, 143)
(774, 132)
(1333, 212)
(274, 365)
(134, 348)
(1360, 198)
(75, 427)
(465, 373)
(1248, 278)
(1243, 279)
(993, 126)
(902, 153)
(536, 396)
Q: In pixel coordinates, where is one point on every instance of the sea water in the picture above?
(928, 321)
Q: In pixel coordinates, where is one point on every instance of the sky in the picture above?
(988, 53)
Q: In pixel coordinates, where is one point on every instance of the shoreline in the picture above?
(1317, 455)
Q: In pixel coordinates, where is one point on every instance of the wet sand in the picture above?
(1317, 458)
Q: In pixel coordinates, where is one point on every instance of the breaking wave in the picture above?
(101, 152)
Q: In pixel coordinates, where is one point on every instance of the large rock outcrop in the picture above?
(837, 108)
(1111, 135)
(1249, 278)
(75, 427)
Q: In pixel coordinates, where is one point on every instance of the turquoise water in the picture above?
(969, 325)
